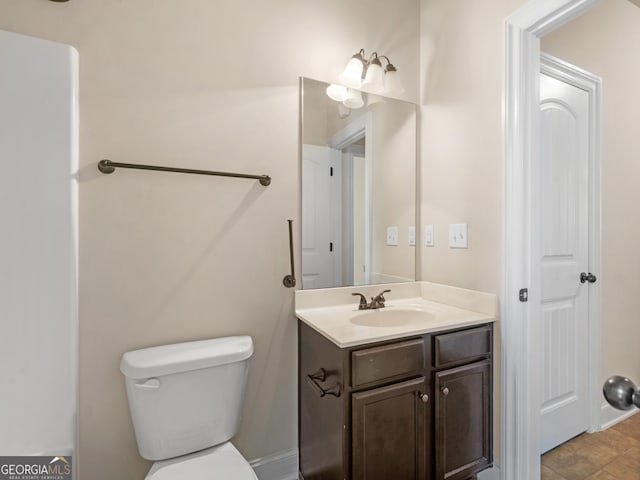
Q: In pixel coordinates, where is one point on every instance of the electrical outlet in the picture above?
(412, 236)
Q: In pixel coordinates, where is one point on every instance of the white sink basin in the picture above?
(392, 317)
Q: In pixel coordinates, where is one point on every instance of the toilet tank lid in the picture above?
(182, 357)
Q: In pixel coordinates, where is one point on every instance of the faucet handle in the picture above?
(363, 300)
(381, 296)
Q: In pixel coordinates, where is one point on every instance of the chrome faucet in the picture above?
(376, 302)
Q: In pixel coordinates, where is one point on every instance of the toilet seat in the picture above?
(222, 462)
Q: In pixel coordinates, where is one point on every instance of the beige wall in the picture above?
(605, 42)
(394, 184)
(167, 258)
(461, 137)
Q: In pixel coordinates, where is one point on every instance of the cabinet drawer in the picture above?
(387, 362)
(461, 347)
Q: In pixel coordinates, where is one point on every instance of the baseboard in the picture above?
(609, 416)
(490, 474)
(279, 466)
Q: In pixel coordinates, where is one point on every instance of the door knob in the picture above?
(587, 277)
(424, 397)
(445, 391)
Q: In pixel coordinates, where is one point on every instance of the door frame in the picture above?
(520, 376)
(348, 204)
(360, 127)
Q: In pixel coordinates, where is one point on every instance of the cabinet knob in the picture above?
(445, 391)
(424, 397)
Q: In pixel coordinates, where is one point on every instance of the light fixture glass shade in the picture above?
(354, 100)
(373, 81)
(352, 74)
(337, 92)
(392, 83)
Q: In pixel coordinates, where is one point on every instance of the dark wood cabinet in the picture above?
(463, 421)
(388, 432)
(417, 408)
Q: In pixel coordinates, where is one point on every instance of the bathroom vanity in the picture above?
(403, 392)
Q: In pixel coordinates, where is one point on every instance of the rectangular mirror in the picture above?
(358, 188)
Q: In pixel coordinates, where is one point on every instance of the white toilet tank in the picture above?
(187, 396)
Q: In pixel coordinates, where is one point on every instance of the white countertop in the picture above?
(335, 315)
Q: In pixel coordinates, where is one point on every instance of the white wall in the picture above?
(167, 258)
(38, 246)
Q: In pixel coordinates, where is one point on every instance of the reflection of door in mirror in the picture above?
(358, 178)
(320, 201)
(336, 202)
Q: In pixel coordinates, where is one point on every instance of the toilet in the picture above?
(185, 401)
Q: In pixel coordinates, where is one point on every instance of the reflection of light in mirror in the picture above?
(343, 112)
(349, 97)
(338, 93)
(354, 99)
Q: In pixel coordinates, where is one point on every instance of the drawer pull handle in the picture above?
(445, 391)
(424, 397)
(320, 376)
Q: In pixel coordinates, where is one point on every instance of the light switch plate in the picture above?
(392, 236)
(428, 235)
(412, 236)
(458, 235)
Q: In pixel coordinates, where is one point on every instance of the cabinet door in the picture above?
(463, 421)
(389, 432)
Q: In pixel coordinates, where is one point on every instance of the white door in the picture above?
(320, 200)
(564, 233)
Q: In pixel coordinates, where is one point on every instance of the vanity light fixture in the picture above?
(369, 74)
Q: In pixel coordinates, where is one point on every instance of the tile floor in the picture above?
(613, 454)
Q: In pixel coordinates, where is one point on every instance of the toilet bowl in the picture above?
(185, 401)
